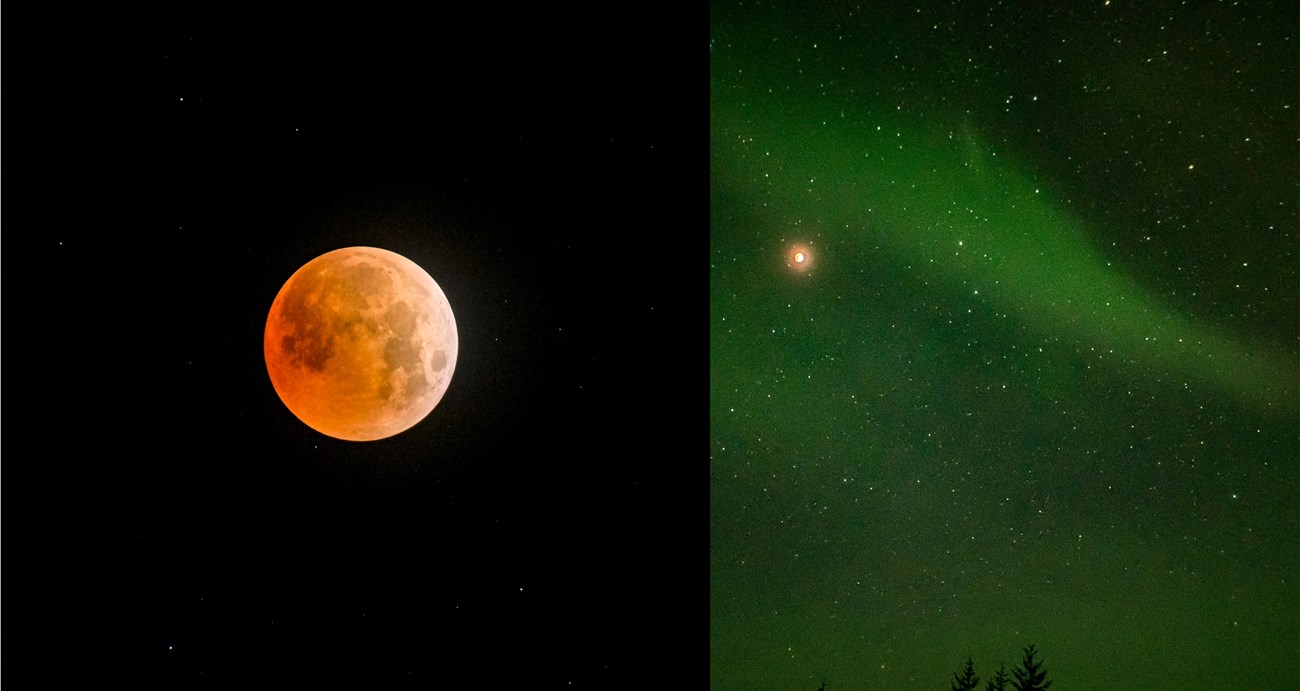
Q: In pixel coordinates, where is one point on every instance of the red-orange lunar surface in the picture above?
(360, 343)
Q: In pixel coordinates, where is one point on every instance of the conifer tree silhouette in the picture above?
(999, 680)
(1030, 675)
(967, 681)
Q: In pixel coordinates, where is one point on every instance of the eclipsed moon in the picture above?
(799, 257)
(360, 343)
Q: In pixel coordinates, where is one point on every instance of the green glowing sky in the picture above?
(1040, 383)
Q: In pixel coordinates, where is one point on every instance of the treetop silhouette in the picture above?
(967, 681)
(999, 680)
(1030, 675)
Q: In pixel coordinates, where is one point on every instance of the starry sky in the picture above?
(168, 521)
(1038, 382)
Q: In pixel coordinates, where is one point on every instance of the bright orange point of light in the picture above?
(800, 257)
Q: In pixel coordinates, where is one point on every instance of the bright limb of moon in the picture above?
(360, 343)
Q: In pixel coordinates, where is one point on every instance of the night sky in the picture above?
(168, 520)
(1038, 381)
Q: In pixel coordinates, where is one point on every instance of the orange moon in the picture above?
(360, 343)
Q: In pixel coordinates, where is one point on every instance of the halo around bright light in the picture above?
(800, 258)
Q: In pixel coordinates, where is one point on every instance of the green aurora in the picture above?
(939, 198)
(1040, 384)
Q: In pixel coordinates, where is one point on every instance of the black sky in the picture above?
(168, 520)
